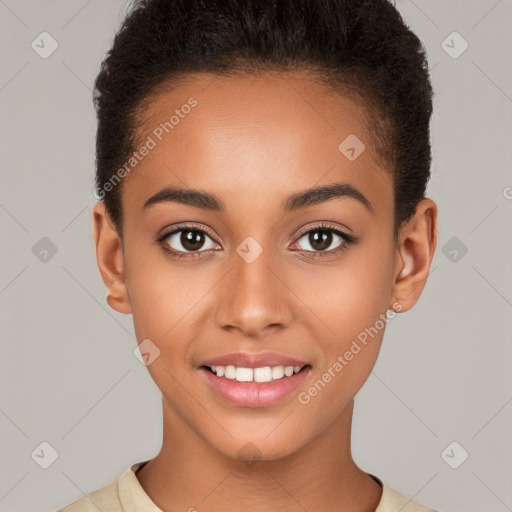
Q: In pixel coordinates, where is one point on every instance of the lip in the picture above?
(248, 360)
(254, 394)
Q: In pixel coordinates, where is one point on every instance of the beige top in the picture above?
(127, 495)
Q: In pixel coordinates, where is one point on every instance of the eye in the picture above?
(187, 241)
(324, 239)
(190, 241)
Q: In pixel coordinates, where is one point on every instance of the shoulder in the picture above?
(392, 500)
(105, 499)
(125, 493)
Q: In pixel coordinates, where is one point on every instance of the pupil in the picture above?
(192, 240)
(323, 241)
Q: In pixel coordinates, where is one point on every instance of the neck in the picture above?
(188, 473)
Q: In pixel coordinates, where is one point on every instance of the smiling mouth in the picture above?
(257, 375)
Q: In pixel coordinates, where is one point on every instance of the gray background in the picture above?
(68, 373)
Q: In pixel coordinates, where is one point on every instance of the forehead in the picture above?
(267, 135)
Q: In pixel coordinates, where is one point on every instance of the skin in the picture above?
(253, 142)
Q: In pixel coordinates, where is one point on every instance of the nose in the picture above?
(254, 298)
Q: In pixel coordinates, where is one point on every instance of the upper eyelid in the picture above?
(319, 227)
(186, 227)
(205, 230)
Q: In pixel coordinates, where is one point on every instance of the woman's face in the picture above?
(255, 269)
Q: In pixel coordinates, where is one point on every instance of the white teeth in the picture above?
(288, 371)
(277, 372)
(230, 372)
(244, 374)
(262, 374)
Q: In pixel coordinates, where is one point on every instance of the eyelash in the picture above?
(347, 240)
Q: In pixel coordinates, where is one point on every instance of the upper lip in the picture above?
(247, 360)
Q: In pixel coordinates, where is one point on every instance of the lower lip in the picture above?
(253, 394)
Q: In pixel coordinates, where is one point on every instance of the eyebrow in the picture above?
(317, 195)
(303, 199)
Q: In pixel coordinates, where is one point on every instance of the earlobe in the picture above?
(110, 260)
(416, 247)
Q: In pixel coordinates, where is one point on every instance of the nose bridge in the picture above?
(253, 297)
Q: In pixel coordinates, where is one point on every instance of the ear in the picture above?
(109, 255)
(417, 242)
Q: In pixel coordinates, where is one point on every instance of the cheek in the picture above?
(352, 301)
(351, 296)
(163, 293)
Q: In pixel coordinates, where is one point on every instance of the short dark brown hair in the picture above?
(360, 47)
